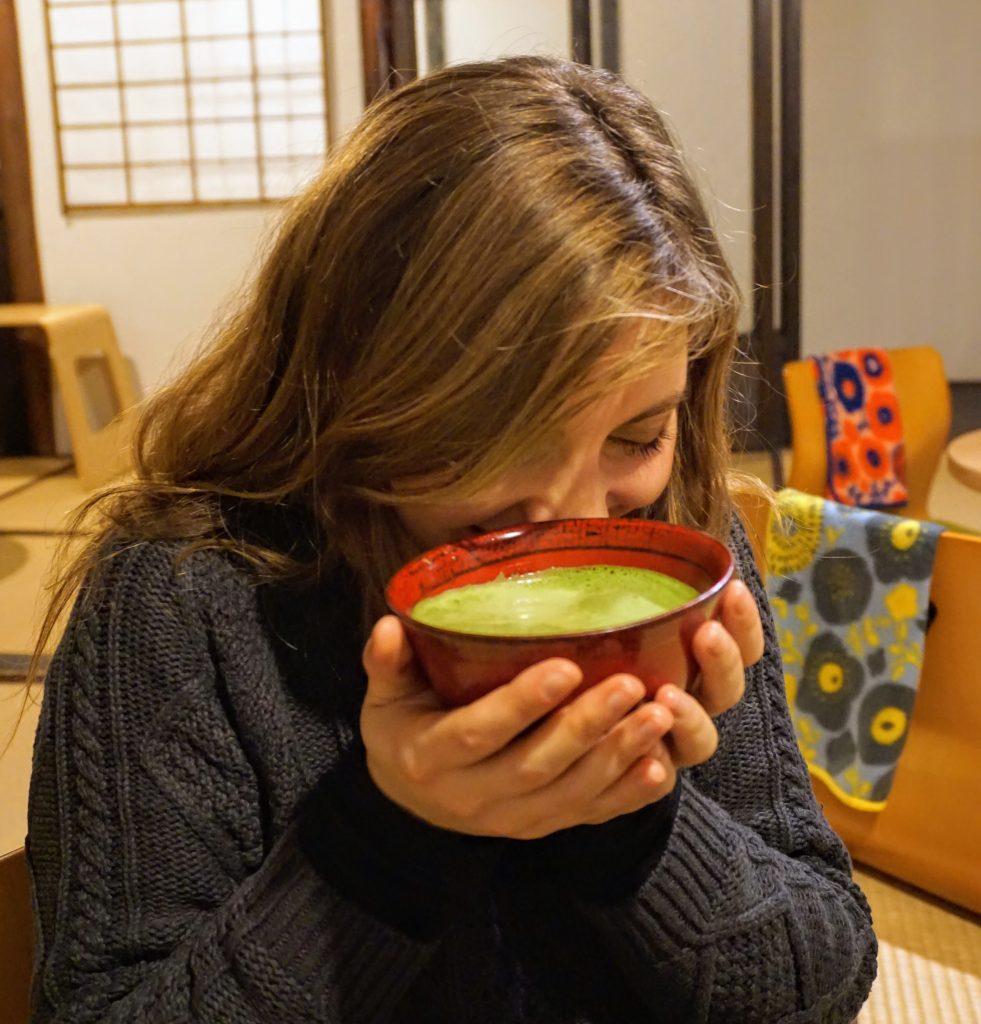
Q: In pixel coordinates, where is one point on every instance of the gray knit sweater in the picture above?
(207, 846)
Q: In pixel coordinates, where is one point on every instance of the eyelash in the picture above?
(642, 450)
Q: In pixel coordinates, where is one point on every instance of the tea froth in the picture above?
(557, 601)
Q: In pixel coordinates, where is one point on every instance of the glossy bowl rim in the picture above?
(538, 638)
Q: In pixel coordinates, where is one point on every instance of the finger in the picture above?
(637, 735)
(390, 665)
(568, 735)
(693, 738)
(721, 662)
(468, 735)
(648, 779)
(741, 618)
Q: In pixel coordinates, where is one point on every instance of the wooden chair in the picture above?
(77, 336)
(16, 939)
(924, 400)
(929, 833)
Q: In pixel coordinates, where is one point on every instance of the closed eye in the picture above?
(642, 449)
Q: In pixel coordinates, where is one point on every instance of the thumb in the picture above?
(389, 662)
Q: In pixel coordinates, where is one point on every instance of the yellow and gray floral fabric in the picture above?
(849, 588)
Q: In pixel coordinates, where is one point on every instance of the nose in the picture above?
(569, 494)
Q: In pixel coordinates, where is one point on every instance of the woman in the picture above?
(501, 301)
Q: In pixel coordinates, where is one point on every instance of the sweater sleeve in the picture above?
(162, 893)
(750, 912)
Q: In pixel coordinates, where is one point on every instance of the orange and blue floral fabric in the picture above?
(849, 589)
(863, 429)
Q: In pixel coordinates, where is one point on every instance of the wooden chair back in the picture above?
(929, 833)
(924, 400)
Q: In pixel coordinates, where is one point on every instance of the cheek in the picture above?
(440, 523)
(428, 525)
(644, 483)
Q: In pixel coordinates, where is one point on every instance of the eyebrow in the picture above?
(659, 408)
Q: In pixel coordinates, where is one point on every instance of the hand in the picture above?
(512, 763)
(723, 650)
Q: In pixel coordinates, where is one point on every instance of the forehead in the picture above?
(644, 361)
(656, 393)
(646, 340)
(608, 401)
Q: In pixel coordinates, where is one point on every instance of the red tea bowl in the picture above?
(464, 666)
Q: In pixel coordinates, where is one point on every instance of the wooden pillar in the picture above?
(762, 337)
(582, 34)
(26, 387)
(610, 34)
(790, 172)
(775, 337)
(435, 34)
(388, 44)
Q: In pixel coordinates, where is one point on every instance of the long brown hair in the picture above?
(431, 305)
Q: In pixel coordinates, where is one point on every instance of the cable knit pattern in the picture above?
(751, 866)
(92, 849)
(188, 716)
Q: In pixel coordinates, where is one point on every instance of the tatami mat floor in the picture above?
(929, 958)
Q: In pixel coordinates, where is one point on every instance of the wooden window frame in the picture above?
(261, 161)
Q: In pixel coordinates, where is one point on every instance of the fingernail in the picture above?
(671, 696)
(661, 718)
(558, 682)
(650, 729)
(714, 642)
(624, 696)
(659, 751)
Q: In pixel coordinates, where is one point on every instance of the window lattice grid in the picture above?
(183, 102)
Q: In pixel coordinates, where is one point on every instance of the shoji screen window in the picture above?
(186, 102)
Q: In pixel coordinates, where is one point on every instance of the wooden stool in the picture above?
(76, 335)
(964, 459)
(16, 938)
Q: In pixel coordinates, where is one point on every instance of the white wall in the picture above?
(693, 60)
(892, 177)
(162, 275)
(480, 29)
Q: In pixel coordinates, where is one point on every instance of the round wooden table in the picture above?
(964, 459)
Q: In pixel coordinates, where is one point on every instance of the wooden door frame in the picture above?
(388, 45)
(23, 261)
(388, 39)
(581, 22)
(790, 42)
(15, 167)
(774, 341)
(763, 334)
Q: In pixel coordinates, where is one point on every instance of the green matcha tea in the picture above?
(580, 599)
